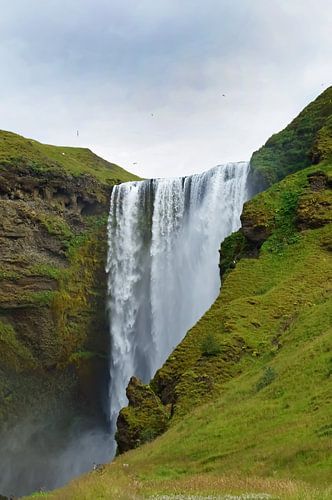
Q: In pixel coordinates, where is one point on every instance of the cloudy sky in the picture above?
(162, 87)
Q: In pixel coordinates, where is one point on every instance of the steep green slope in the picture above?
(16, 150)
(303, 142)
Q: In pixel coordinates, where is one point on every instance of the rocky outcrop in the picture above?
(79, 194)
(315, 205)
(143, 419)
(235, 247)
(254, 228)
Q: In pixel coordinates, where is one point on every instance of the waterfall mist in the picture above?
(164, 236)
(45, 450)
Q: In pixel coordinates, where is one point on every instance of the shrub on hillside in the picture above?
(210, 345)
(267, 378)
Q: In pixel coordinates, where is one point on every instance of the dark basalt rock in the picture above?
(314, 209)
(256, 225)
(143, 419)
(318, 181)
(82, 194)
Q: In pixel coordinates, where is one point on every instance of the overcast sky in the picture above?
(143, 80)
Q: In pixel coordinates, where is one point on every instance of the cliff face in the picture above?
(144, 418)
(53, 332)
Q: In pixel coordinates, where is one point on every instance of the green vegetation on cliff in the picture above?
(306, 140)
(16, 150)
(12, 353)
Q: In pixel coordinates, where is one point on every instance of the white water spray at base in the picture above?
(163, 237)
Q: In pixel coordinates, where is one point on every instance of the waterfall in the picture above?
(163, 240)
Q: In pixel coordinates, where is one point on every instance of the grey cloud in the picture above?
(106, 66)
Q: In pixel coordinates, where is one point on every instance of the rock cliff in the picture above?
(53, 331)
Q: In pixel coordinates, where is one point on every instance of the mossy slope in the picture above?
(306, 140)
(16, 150)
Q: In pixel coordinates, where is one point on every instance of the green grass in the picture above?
(46, 270)
(306, 140)
(210, 345)
(121, 483)
(84, 355)
(42, 298)
(16, 150)
(6, 274)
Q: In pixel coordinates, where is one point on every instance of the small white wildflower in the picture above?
(245, 496)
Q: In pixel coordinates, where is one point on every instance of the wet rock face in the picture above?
(143, 419)
(23, 237)
(82, 194)
(52, 285)
(257, 224)
(255, 232)
(318, 181)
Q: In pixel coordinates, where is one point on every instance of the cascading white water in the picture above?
(163, 237)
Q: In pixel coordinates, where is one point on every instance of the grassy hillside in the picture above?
(249, 389)
(303, 142)
(16, 150)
